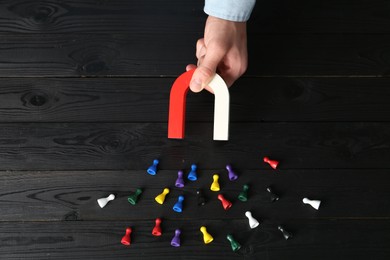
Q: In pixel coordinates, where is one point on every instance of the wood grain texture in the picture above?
(314, 239)
(83, 112)
(83, 146)
(158, 54)
(332, 16)
(119, 16)
(89, 16)
(146, 100)
(72, 195)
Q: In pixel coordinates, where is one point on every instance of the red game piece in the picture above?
(272, 163)
(126, 240)
(157, 228)
(225, 203)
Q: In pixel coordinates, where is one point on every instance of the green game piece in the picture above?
(235, 245)
(133, 198)
(243, 196)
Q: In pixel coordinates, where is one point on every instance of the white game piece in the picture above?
(103, 201)
(314, 203)
(221, 108)
(253, 223)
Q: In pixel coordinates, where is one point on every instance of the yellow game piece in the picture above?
(161, 197)
(207, 238)
(215, 184)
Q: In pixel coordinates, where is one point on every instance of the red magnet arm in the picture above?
(177, 105)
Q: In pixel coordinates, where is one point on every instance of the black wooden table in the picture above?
(84, 105)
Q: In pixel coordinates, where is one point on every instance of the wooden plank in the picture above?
(332, 16)
(69, 195)
(80, 146)
(119, 16)
(88, 16)
(125, 55)
(314, 239)
(146, 100)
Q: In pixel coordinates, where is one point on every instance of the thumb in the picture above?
(206, 70)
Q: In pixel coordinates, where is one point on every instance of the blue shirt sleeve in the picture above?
(232, 10)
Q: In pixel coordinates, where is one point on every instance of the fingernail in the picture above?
(196, 85)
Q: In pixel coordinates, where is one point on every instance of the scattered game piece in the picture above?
(161, 197)
(178, 207)
(176, 239)
(200, 197)
(286, 234)
(273, 196)
(314, 203)
(243, 196)
(234, 244)
(134, 197)
(126, 240)
(225, 203)
(179, 181)
(232, 175)
(272, 163)
(157, 228)
(177, 105)
(253, 223)
(215, 185)
(207, 238)
(192, 176)
(152, 170)
(103, 201)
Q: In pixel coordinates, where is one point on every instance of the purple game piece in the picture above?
(232, 175)
(176, 239)
(179, 181)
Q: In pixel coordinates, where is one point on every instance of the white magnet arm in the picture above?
(221, 108)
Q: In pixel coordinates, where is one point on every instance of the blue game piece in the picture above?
(192, 175)
(152, 170)
(178, 207)
(179, 181)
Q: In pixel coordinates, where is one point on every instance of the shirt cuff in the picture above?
(232, 10)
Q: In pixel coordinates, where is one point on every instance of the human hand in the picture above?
(223, 50)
